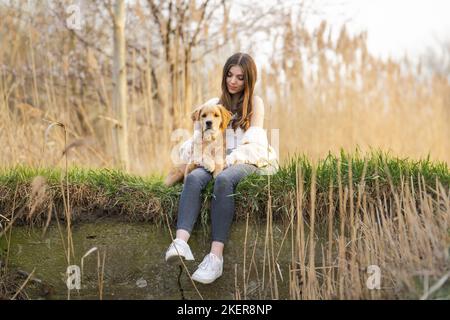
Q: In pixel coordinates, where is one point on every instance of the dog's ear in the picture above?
(226, 117)
(195, 115)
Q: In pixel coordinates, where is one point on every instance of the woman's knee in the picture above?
(194, 180)
(223, 182)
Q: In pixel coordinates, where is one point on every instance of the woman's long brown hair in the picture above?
(244, 105)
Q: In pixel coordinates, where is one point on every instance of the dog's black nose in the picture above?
(208, 123)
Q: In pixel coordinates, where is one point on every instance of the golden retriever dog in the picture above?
(208, 148)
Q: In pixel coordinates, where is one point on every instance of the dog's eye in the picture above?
(203, 115)
(216, 115)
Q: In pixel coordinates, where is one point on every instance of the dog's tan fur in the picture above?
(208, 149)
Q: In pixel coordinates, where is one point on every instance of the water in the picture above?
(134, 263)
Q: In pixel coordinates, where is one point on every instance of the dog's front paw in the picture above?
(209, 165)
(219, 168)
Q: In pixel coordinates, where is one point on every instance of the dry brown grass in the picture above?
(405, 231)
(335, 95)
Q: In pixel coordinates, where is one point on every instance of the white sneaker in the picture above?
(178, 248)
(209, 270)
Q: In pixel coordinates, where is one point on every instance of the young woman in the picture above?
(238, 82)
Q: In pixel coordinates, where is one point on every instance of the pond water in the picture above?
(134, 265)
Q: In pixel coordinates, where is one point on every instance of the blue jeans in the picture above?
(222, 203)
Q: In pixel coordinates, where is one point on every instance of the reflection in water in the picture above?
(135, 267)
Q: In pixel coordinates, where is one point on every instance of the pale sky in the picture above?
(394, 26)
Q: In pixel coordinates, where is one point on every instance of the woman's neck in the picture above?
(234, 99)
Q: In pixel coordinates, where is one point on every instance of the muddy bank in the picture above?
(134, 266)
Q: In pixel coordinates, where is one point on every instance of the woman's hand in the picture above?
(233, 158)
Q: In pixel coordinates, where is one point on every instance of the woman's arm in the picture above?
(254, 148)
(257, 118)
(254, 144)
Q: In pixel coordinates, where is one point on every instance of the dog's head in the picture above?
(213, 120)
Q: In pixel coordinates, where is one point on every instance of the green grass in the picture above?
(95, 193)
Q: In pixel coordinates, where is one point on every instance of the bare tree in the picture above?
(179, 24)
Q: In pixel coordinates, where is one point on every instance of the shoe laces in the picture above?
(175, 242)
(209, 262)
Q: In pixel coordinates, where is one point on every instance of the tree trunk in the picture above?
(120, 132)
(187, 84)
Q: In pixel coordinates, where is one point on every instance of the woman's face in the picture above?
(235, 80)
